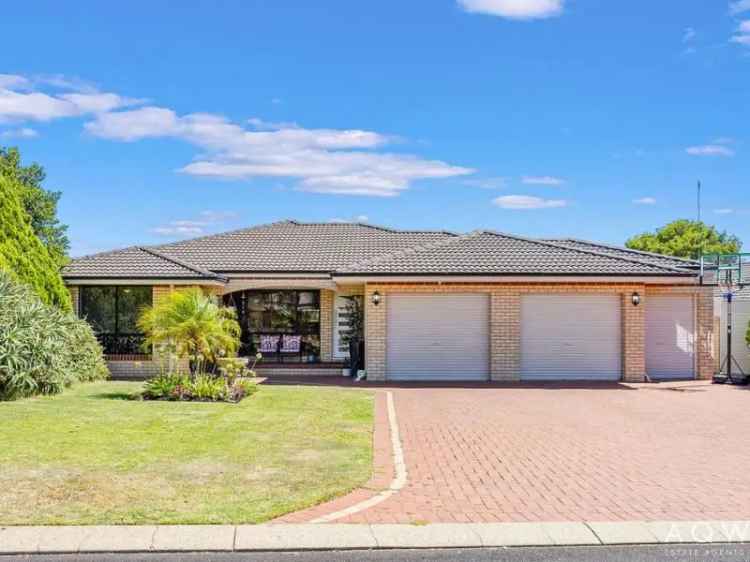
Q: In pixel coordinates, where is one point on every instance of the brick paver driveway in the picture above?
(553, 454)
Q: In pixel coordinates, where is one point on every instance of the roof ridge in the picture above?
(233, 231)
(102, 253)
(579, 250)
(411, 250)
(624, 249)
(186, 265)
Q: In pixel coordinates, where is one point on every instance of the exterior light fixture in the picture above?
(375, 298)
(635, 298)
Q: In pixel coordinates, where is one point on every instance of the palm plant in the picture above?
(193, 326)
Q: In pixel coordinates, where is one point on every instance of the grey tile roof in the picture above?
(486, 252)
(619, 251)
(133, 262)
(348, 248)
(292, 246)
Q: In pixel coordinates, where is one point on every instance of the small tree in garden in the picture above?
(193, 326)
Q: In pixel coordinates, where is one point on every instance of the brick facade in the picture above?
(505, 323)
(75, 296)
(326, 325)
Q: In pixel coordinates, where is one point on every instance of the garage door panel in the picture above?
(670, 337)
(571, 337)
(437, 337)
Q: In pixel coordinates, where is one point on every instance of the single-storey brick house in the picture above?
(437, 305)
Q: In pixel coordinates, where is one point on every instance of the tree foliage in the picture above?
(42, 349)
(22, 254)
(193, 326)
(686, 239)
(40, 204)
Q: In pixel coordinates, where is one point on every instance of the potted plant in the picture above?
(353, 336)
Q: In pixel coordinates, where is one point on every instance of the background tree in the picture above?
(685, 239)
(40, 204)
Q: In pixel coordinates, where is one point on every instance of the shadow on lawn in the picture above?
(114, 396)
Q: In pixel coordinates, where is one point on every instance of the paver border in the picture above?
(389, 472)
(269, 537)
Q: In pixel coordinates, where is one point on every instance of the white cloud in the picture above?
(487, 183)
(741, 39)
(527, 202)
(218, 216)
(688, 34)
(542, 180)
(20, 133)
(744, 26)
(358, 218)
(192, 227)
(739, 6)
(323, 160)
(260, 125)
(709, 150)
(723, 211)
(645, 201)
(23, 99)
(514, 9)
(13, 81)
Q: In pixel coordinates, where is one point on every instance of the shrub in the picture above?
(204, 387)
(241, 389)
(164, 386)
(22, 255)
(42, 348)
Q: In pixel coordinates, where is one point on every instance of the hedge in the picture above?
(22, 254)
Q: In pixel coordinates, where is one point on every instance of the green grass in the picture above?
(91, 456)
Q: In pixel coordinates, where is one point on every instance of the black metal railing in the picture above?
(122, 344)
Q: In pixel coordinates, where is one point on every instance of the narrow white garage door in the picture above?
(670, 337)
(740, 323)
(570, 337)
(437, 337)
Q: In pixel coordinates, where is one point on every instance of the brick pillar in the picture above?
(74, 298)
(634, 337)
(375, 334)
(505, 336)
(326, 325)
(705, 341)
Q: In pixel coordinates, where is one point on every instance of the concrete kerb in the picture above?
(286, 537)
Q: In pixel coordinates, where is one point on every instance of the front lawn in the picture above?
(89, 456)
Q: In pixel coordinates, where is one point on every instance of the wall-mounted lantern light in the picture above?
(635, 298)
(376, 298)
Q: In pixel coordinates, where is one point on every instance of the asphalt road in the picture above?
(677, 553)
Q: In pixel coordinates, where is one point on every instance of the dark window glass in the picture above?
(98, 307)
(130, 303)
(113, 314)
(268, 312)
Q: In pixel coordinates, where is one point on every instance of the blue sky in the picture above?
(538, 117)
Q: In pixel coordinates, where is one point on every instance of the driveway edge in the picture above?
(306, 536)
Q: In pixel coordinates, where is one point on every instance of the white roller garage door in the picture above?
(571, 337)
(740, 322)
(670, 337)
(437, 337)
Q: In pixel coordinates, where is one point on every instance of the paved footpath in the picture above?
(290, 537)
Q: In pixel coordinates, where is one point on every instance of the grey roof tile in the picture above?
(289, 246)
(619, 251)
(133, 262)
(492, 253)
